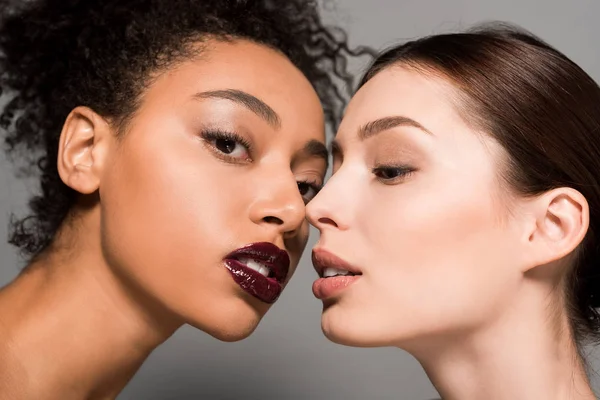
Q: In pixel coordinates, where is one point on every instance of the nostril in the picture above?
(273, 220)
(327, 221)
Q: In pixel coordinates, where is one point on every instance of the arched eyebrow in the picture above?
(253, 103)
(379, 125)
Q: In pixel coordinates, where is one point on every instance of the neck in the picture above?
(515, 357)
(71, 329)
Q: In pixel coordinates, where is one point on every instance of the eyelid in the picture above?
(313, 184)
(404, 171)
(210, 134)
(217, 133)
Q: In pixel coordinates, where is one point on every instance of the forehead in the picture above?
(246, 66)
(400, 91)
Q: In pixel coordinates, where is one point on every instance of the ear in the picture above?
(560, 220)
(82, 150)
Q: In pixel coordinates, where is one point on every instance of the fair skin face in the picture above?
(455, 268)
(161, 207)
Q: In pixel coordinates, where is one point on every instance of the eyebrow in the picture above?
(382, 124)
(379, 125)
(314, 148)
(249, 101)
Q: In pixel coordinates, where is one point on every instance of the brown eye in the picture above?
(228, 144)
(225, 145)
(308, 190)
(389, 173)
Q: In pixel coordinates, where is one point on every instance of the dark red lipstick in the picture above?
(260, 269)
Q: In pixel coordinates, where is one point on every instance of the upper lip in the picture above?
(323, 259)
(277, 260)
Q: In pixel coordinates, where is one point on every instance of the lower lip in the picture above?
(253, 282)
(325, 288)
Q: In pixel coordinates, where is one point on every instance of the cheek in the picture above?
(437, 251)
(168, 218)
(296, 246)
(163, 196)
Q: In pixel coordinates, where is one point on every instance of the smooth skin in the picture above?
(457, 269)
(162, 204)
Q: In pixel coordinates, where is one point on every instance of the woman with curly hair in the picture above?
(177, 143)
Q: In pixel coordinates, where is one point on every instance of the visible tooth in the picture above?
(329, 272)
(255, 265)
(250, 264)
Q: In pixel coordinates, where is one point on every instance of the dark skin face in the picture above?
(224, 150)
(206, 169)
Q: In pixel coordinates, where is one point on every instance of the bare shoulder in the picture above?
(14, 379)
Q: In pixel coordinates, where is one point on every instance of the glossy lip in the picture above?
(329, 288)
(323, 259)
(266, 289)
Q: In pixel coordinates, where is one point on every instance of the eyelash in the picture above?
(313, 184)
(401, 173)
(216, 134)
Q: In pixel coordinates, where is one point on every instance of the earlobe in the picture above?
(561, 223)
(81, 150)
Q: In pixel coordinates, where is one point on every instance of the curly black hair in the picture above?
(56, 55)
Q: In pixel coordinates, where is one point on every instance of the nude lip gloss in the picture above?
(327, 287)
(260, 269)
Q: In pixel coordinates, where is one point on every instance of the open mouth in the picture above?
(329, 265)
(257, 266)
(260, 269)
(335, 274)
(331, 272)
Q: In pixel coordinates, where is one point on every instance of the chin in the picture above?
(229, 332)
(348, 337)
(229, 324)
(342, 330)
(352, 338)
(232, 335)
(353, 331)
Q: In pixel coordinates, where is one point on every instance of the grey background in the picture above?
(287, 357)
